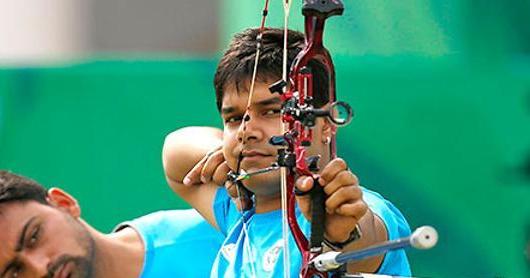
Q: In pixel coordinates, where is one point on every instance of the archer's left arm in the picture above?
(346, 212)
(372, 230)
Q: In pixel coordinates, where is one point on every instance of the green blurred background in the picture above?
(441, 91)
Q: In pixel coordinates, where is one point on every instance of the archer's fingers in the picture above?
(344, 195)
(356, 210)
(343, 178)
(194, 175)
(303, 198)
(304, 184)
(213, 161)
(329, 172)
(220, 174)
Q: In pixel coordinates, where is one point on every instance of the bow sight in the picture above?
(339, 113)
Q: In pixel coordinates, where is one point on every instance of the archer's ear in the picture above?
(64, 201)
(328, 130)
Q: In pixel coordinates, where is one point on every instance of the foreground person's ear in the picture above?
(64, 201)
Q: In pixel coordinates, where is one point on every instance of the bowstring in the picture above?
(246, 118)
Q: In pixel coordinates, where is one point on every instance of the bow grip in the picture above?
(318, 216)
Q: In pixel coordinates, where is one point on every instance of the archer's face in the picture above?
(43, 241)
(252, 142)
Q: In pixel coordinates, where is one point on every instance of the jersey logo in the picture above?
(229, 251)
(271, 256)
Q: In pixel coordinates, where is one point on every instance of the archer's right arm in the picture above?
(187, 149)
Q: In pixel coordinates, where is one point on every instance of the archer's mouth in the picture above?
(65, 271)
(254, 155)
(255, 158)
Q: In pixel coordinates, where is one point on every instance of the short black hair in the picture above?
(16, 188)
(237, 63)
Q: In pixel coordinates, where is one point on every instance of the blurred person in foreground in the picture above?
(43, 235)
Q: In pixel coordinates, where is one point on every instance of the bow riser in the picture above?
(299, 135)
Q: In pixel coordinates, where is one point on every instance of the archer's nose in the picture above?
(37, 263)
(249, 130)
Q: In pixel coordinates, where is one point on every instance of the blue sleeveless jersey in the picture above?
(178, 243)
(253, 245)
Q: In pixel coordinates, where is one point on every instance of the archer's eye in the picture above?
(34, 236)
(233, 120)
(272, 112)
(14, 272)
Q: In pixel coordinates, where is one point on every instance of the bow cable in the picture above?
(283, 170)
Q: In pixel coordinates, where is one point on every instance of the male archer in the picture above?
(253, 246)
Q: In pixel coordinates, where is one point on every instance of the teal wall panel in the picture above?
(97, 130)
